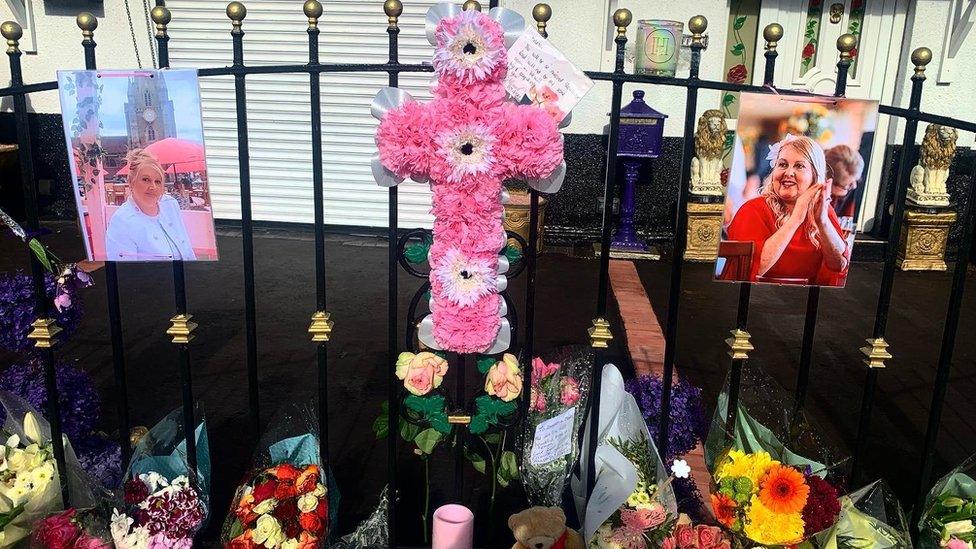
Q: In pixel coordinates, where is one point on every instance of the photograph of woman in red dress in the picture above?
(795, 236)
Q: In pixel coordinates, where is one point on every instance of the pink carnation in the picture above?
(569, 393)
(467, 140)
(542, 370)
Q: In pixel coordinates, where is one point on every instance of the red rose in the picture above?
(292, 529)
(724, 177)
(322, 509)
(264, 491)
(57, 532)
(311, 523)
(286, 471)
(808, 51)
(854, 52)
(286, 510)
(285, 490)
(856, 4)
(737, 74)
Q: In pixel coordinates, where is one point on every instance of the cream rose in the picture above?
(268, 532)
(421, 372)
(265, 506)
(307, 503)
(504, 379)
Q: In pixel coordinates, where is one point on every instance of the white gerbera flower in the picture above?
(464, 280)
(680, 468)
(467, 149)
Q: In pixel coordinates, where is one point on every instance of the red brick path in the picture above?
(645, 342)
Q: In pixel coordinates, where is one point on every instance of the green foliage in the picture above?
(639, 453)
(416, 253)
(427, 440)
(739, 22)
(41, 253)
(728, 99)
(488, 412)
(738, 48)
(485, 362)
(508, 468)
(431, 410)
(381, 425)
(513, 253)
(476, 459)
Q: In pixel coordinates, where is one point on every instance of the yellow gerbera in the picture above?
(768, 528)
(740, 464)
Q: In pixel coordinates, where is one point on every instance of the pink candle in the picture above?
(453, 527)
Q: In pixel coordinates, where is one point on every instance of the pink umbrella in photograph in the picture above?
(176, 155)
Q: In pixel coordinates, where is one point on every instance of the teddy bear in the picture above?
(543, 528)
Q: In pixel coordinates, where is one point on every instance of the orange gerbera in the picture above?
(783, 490)
(724, 508)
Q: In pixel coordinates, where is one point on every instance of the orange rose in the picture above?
(308, 541)
(421, 372)
(286, 471)
(307, 480)
(243, 541)
(504, 379)
(285, 490)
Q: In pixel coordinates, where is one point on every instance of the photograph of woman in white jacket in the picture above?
(149, 225)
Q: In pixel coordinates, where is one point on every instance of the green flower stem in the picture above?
(423, 518)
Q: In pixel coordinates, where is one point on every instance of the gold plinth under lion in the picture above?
(517, 218)
(704, 231)
(923, 240)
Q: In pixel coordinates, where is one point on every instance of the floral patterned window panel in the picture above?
(740, 51)
(811, 36)
(854, 24)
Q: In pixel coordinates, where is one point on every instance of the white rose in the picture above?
(265, 506)
(268, 532)
(119, 525)
(319, 490)
(307, 503)
(18, 460)
(13, 441)
(959, 527)
(290, 544)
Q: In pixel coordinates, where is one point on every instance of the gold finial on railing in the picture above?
(541, 13)
(772, 34)
(236, 12)
(161, 17)
(313, 10)
(698, 25)
(622, 18)
(877, 353)
(43, 333)
(600, 335)
(393, 9)
(87, 23)
(182, 328)
(321, 327)
(921, 57)
(471, 5)
(12, 33)
(845, 45)
(739, 344)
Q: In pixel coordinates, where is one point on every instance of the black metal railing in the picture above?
(599, 334)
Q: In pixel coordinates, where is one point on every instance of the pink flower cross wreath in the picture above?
(466, 141)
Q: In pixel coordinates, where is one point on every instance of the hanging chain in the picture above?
(132, 31)
(149, 31)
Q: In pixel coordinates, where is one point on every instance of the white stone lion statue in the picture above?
(706, 166)
(928, 178)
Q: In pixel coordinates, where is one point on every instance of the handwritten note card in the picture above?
(553, 438)
(538, 73)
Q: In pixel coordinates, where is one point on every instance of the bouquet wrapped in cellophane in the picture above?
(30, 486)
(164, 503)
(559, 389)
(284, 500)
(632, 503)
(869, 518)
(948, 517)
(774, 478)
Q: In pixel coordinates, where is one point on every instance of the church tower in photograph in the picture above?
(148, 111)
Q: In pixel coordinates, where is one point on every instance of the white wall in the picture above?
(59, 46)
(926, 26)
(578, 29)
